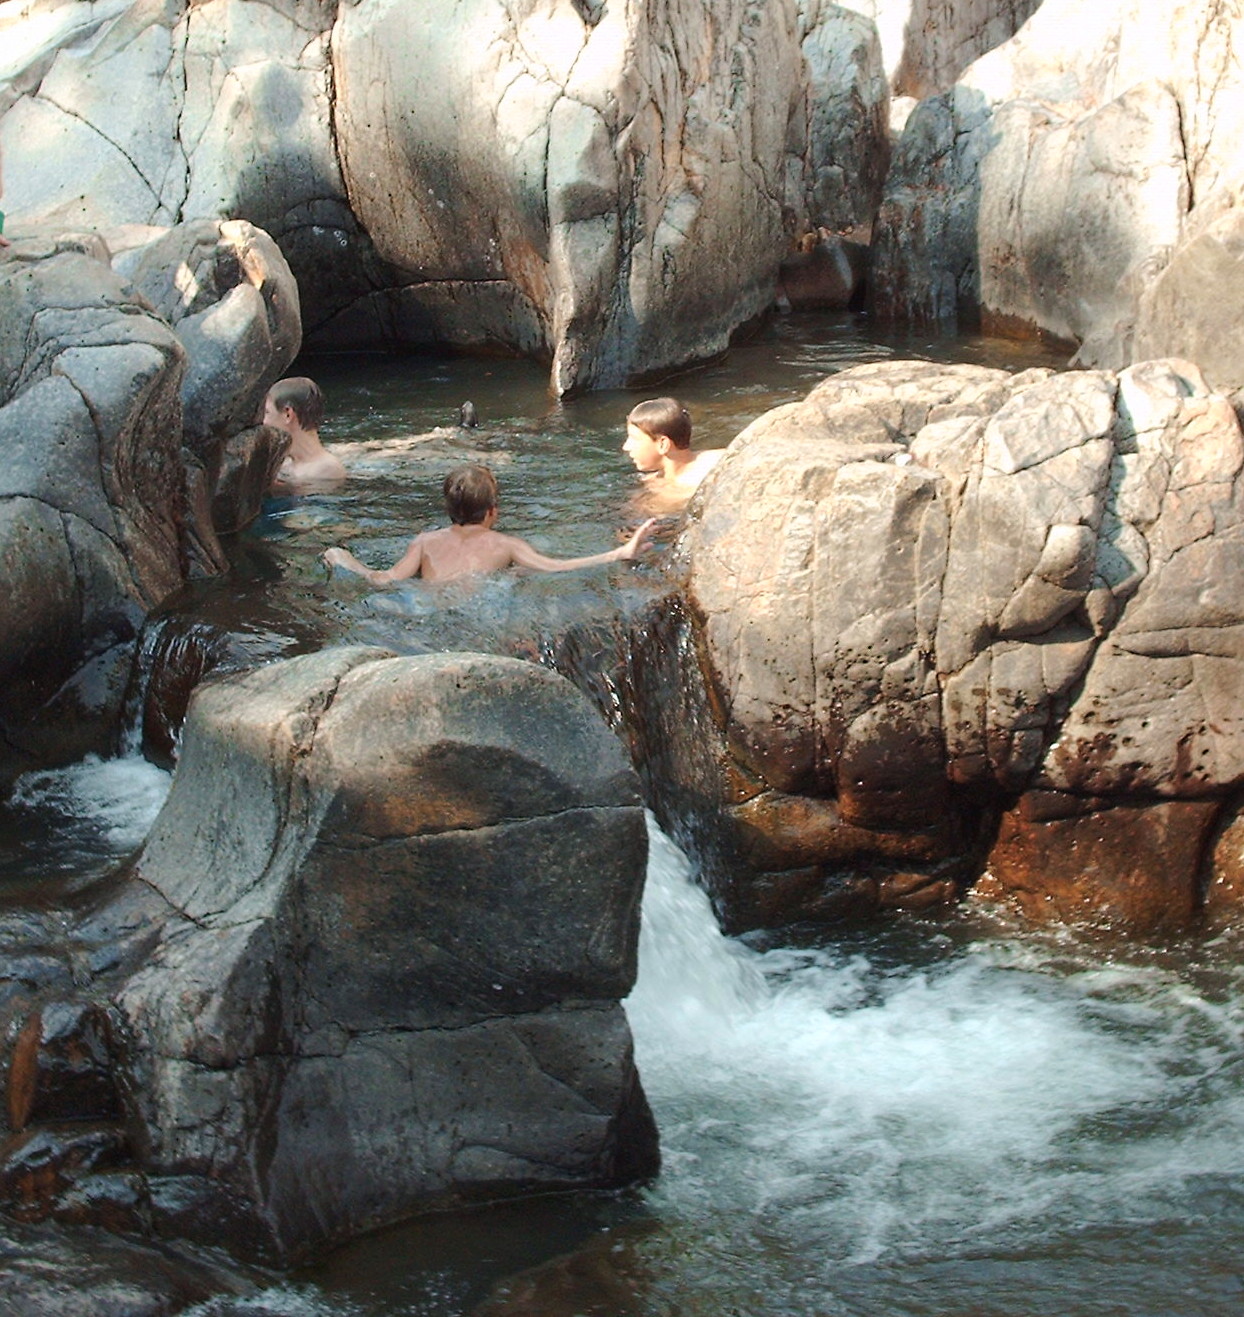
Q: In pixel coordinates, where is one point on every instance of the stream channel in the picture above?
(947, 1116)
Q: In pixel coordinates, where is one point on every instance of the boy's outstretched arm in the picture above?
(523, 555)
(407, 565)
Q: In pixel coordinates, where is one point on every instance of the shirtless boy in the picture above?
(470, 546)
(658, 441)
(296, 406)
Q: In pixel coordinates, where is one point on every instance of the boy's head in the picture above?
(470, 494)
(299, 395)
(663, 417)
(653, 429)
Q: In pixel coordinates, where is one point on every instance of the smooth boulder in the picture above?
(402, 910)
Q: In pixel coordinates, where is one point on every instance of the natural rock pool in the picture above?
(922, 1116)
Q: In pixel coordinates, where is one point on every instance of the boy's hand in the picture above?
(640, 541)
(335, 557)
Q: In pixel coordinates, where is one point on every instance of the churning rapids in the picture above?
(943, 1116)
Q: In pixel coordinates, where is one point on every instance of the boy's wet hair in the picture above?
(304, 396)
(470, 494)
(665, 416)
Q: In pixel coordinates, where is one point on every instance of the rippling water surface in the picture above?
(949, 1116)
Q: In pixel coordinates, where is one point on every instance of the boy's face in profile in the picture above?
(642, 448)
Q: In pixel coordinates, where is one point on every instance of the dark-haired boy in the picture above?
(296, 406)
(470, 546)
(658, 441)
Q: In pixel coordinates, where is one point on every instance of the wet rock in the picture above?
(47, 1271)
(402, 906)
(249, 462)
(61, 1067)
(37, 1165)
(825, 277)
(1130, 867)
(1224, 893)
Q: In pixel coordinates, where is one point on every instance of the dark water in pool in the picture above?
(944, 1117)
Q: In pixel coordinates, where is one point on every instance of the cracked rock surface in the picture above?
(926, 594)
(90, 497)
(1081, 179)
(400, 909)
(126, 379)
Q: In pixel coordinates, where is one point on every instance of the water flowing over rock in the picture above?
(1079, 181)
(932, 601)
(370, 961)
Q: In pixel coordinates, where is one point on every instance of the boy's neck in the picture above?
(304, 444)
(675, 461)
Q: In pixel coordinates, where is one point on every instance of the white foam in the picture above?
(118, 799)
(881, 1111)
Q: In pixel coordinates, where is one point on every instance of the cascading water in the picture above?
(941, 1103)
(925, 1118)
(943, 1117)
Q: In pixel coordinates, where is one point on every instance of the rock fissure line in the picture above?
(367, 844)
(116, 146)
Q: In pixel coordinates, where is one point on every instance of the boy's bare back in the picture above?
(454, 551)
(472, 550)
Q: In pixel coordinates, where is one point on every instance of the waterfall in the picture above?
(920, 1094)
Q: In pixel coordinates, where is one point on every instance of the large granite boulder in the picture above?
(228, 293)
(125, 112)
(92, 497)
(937, 607)
(1048, 190)
(390, 910)
(129, 384)
(608, 186)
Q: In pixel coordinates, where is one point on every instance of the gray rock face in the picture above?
(91, 499)
(1189, 309)
(1052, 186)
(122, 452)
(610, 187)
(226, 290)
(925, 588)
(402, 905)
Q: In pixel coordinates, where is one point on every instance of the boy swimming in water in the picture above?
(296, 406)
(470, 546)
(658, 441)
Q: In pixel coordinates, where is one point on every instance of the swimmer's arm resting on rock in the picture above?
(407, 565)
